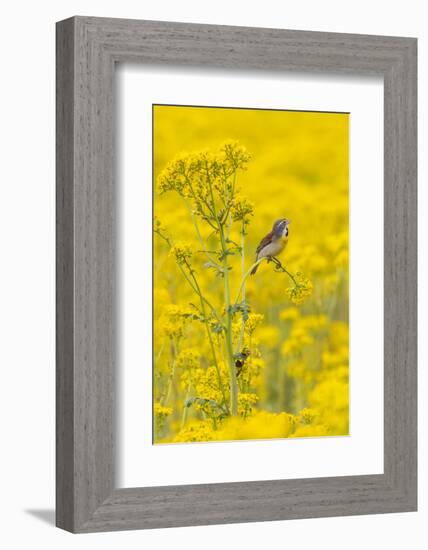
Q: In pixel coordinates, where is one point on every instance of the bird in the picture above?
(274, 242)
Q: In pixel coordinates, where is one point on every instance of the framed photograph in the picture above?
(236, 274)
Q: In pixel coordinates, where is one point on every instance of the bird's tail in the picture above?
(253, 271)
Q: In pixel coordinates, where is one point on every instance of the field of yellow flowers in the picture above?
(240, 356)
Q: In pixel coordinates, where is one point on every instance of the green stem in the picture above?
(241, 333)
(198, 292)
(228, 334)
(185, 409)
(198, 233)
(158, 356)
(245, 277)
(280, 267)
(248, 273)
(166, 397)
(212, 308)
(197, 289)
(210, 339)
(230, 205)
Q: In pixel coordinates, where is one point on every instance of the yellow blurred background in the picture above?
(299, 356)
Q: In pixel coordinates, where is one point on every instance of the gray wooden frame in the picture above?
(87, 50)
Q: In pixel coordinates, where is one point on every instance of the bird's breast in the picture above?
(282, 243)
(274, 248)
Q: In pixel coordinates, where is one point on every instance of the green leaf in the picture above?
(242, 307)
(217, 328)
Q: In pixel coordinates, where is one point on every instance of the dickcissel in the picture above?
(274, 242)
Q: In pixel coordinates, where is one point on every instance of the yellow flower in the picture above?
(262, 425)
(296, 369)
(174, 176)
(235, 154)
(298, 339)
(161, 414)
(331, 396)
(336, 242)
(339, 335)
(160, 411)
(241, 210)
(182, 252)
(170, 328)
(289, 314)
(299, 292)
(313, 322)
(196, 432)
(342, 259)
(268, 336)
(160, 297)
(307, 416)
(172, 321)
(335, 359)
(330, 282)
(314, 260)
(246, 401)
(253, 321)
(188, 359)
(311, 431)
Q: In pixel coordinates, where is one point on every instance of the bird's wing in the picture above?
(264, 242)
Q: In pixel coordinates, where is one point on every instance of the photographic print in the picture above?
(250, 274)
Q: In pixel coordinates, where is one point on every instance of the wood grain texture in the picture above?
(87, 50)
(64, 276)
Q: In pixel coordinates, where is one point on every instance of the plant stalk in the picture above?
(228, 335)
(210, 339)
(233, 382)
(241, 333)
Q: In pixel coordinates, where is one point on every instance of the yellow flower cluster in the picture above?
(290, 349)
(301, 290)
(196, 432)
(242, 209)
(195, 176)
(172, 321)
(161, 413)
(182, 252)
